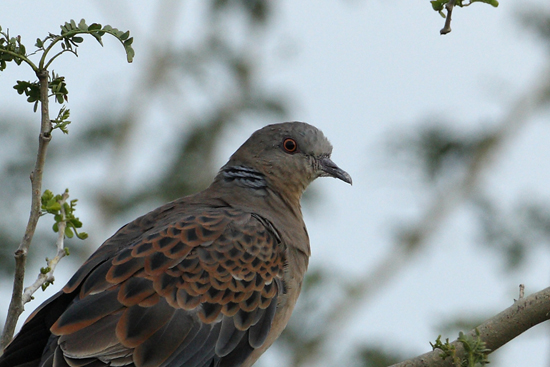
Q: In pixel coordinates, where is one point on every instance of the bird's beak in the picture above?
(329, 168)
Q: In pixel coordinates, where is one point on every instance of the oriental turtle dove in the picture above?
(206, 280)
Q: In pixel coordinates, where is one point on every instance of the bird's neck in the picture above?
(247, 185)
(243, 176)
(248, 189)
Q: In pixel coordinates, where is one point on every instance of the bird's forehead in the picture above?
(310, 139)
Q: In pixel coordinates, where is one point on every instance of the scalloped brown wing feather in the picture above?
(203, 288)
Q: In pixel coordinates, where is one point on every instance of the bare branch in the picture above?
(497, 331)
(16, 305)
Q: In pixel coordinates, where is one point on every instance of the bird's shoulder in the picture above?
(185, 230)
(191, 212)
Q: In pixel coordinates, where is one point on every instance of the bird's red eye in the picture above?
(290, 145)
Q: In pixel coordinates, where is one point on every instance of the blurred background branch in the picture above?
(440, 151)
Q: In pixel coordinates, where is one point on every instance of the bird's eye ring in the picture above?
(290, 145)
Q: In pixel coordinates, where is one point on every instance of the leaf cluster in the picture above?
(56, 85)
(440, 150)
(11, 49)
(52, 204)
(439, 5)
(475, 350)
(70, 34)
(61, 122)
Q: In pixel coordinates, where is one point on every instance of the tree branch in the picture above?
(47, 276)
(17, 305)
(447, 27)
(497, 331)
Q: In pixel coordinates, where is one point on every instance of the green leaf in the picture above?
(76, 223)
(82, 25)
(47, 195)
(69, 232)
(82, 235)
(437, 5)
(124, 36)
(130, 53)
(94, 27)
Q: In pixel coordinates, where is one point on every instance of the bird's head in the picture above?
(285, 157)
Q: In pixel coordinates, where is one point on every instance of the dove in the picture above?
(208, 280)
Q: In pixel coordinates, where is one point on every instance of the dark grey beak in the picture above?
(329, 168)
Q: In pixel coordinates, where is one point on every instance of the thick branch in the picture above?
(16, 304)
(497, 331)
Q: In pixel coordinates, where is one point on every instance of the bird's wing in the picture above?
(198, 291)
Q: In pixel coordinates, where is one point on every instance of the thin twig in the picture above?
(48, 276)
(497, 331)
(16, 304)
(447, 28)
(521, 291)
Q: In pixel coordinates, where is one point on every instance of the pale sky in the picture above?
(363, 71)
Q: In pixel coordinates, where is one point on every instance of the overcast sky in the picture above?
(362, 71)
